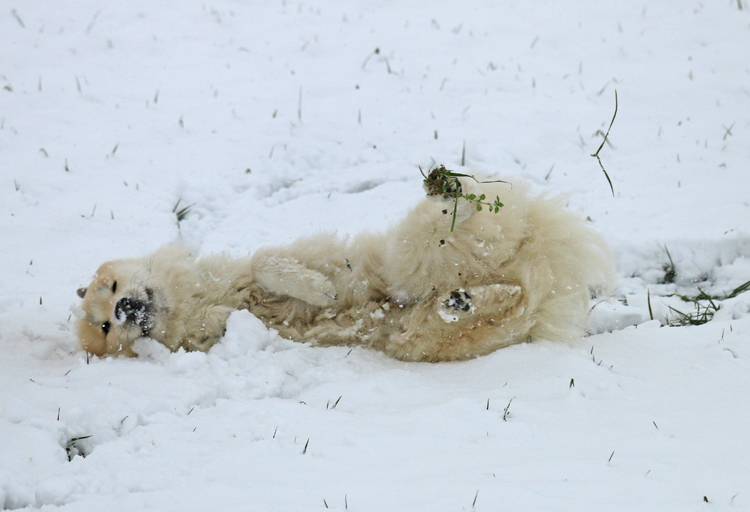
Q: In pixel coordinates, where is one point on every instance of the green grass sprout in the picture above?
(442, 181)
(606, 140)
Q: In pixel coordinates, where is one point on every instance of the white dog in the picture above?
(419, 292)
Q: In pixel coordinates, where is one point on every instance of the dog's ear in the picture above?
(81, 292)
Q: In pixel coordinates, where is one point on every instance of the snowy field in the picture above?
(277, 119)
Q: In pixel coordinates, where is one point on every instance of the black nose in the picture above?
(132, 310)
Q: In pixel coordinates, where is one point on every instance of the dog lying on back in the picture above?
(418, 292)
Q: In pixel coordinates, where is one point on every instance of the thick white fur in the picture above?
(521, 274)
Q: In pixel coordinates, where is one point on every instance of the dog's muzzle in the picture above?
(130, 310)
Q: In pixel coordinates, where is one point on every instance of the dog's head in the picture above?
(118, 307)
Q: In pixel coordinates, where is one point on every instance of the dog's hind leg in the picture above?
(493, 303)
(464, 323)
(427, 250)
(284, 277)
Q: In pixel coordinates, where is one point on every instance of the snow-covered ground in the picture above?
(278, 119)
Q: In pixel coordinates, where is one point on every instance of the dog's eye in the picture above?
(114, 287)
(105, 327)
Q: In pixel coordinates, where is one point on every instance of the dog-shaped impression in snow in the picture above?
(418, 292)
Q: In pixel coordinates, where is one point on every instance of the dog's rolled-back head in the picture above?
(118, 308)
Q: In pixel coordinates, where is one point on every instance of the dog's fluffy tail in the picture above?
(579, 261)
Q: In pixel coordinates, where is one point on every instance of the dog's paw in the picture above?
(312, 287)
(440, 185)
(456, 305)
(281, 276)
(324, 293)
(459, 300)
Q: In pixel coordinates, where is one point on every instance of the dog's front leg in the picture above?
(206, 328)
(284, 277)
